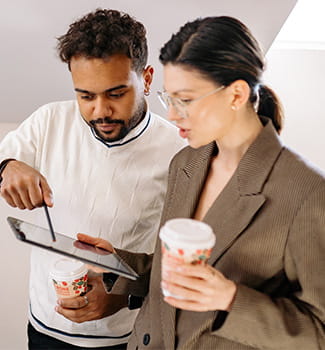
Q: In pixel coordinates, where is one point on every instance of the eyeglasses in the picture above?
(179, 104)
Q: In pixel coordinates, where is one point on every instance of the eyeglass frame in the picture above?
(167, 101)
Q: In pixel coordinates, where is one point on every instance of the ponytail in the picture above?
(270, 106)
(224, 50)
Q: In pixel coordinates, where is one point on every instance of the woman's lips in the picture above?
(183, 133)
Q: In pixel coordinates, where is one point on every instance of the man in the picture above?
(101, 162)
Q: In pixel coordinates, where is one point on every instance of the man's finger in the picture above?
(88, 239)
(74, 315)
(47, 192)
(7, 197)
(17, 199)
(25, 198)
(74, 303)
(98, 242)
(36, 195)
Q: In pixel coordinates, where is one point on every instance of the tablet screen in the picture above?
(41, 237)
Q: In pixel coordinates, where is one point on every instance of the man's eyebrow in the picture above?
(108, 90)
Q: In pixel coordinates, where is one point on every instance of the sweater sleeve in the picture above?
(23, 143)
(298, 320)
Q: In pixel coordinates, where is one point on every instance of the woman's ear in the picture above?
(147, 79)
(240, 91)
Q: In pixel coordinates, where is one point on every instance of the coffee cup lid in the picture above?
(187, 233)
(68, 268)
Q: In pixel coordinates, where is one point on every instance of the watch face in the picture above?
(134, 302)
(109, 280)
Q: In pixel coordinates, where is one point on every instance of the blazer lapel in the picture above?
(229, 216)
(182, 203)
(242, 197)
(188, 184)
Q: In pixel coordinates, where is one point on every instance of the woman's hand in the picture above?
(199, 287)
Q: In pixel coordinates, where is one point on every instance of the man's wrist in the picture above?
(133, 301)
(3, 165)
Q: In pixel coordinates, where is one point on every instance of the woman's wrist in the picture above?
(232, 295)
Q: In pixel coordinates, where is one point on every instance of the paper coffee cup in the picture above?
(69, 278)
(186, 240)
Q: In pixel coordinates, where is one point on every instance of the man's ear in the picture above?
(240, 94)
(147, 78)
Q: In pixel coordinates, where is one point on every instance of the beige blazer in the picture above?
(269, 223)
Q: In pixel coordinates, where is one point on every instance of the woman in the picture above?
(264, 285)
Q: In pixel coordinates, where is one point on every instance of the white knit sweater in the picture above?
(113, 191)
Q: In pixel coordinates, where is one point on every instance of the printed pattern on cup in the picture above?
(195, 256)
(71, 288)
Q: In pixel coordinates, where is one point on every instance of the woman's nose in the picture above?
(172, 113)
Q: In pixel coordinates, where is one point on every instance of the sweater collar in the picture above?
(135, 133)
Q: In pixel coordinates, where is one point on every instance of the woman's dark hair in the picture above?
(103, 33)
(223, 50)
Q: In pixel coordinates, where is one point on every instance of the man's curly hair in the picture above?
(103, 33)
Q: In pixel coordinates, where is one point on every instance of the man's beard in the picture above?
(137, 116)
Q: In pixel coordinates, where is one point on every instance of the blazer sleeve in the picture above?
(141, 264)
(298, 320)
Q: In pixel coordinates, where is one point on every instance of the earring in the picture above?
(233, 107)
(147, 92)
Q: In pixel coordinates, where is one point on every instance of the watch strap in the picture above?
(3, 164)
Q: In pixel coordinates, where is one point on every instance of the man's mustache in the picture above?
(106, 120)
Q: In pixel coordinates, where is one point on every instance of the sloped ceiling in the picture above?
(31, 74)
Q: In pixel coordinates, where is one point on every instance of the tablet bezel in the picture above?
(14, 223)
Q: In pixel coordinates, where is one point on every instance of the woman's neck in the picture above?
(234, 145)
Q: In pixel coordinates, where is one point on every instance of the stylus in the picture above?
(50, 223)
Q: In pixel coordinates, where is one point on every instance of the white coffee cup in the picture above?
(186, 240)
(69, 278)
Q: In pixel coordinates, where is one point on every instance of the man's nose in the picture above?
(102, 108)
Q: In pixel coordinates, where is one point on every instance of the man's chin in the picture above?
(110, 137)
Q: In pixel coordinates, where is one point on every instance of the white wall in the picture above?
(298, 78)
(14, 262)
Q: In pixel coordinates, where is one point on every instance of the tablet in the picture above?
(41, 237)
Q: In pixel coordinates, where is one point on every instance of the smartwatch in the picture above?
(134, 302)
(109, 279)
